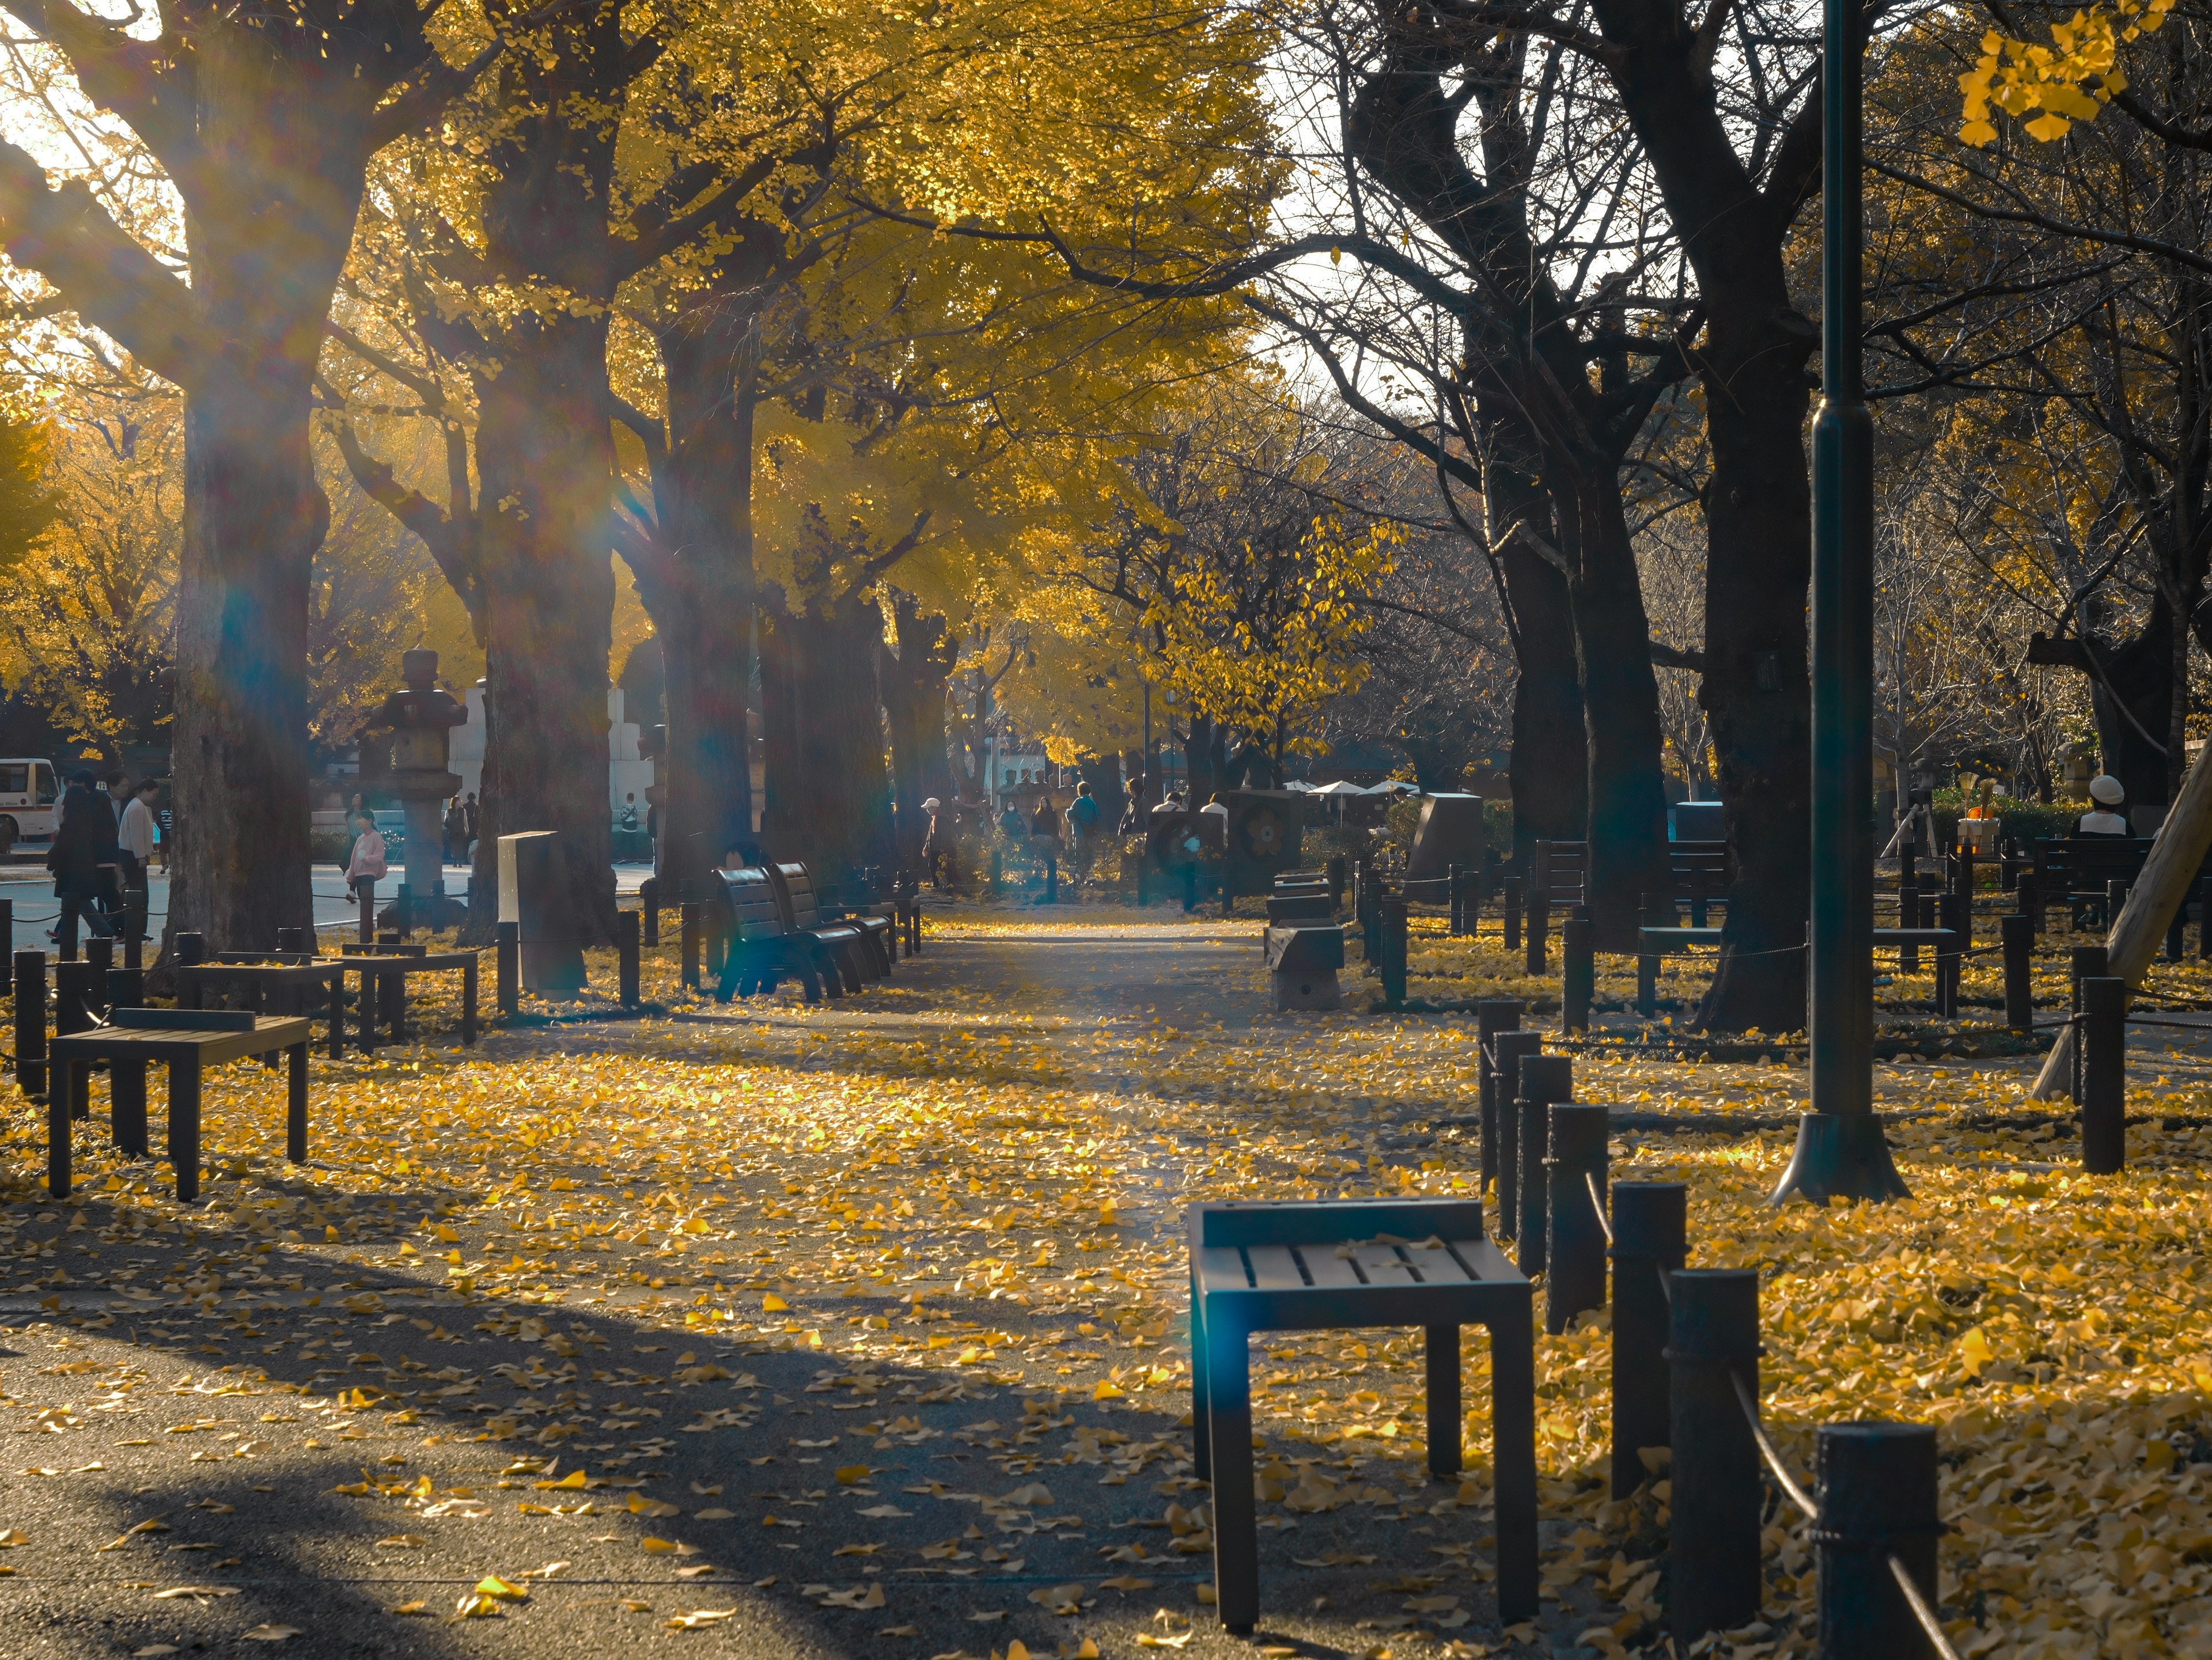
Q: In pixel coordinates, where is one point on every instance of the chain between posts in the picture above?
(1597, 1209)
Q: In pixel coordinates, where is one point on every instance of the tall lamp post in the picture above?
(1840, 1151)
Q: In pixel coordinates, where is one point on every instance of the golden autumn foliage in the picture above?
(2047, 88)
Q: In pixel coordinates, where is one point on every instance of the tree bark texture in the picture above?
(2130, 694)
(828, 796)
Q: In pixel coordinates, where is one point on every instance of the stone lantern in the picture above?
(421, 717)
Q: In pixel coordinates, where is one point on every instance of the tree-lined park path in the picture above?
(765, 1329)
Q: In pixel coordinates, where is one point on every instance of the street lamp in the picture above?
(1841, 1150)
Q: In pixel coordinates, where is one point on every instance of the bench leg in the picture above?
(469, 1003)
(58, 1131)
(1513, 1460)
(1236, 1530)
(184, 1126)
(338, 1016)
(80, 1083)
(296, 1105)
(1441, 1344)
(126, 1090)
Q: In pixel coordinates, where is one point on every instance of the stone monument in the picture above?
(421, 717)
(533, 894)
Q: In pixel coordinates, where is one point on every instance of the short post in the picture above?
(1908, 908)
(1545, 1080)
(1578, 972)
(2019, 938)
(508, 969)
(1658, 911)
(1650, 1240)
(1392, 913)
(1052, 883)
(1963, 870)
(1510, 1049)
(126, 988)
(2177, 944)
(2104, 1099)
(626, 947)
(99, 957)
(192, 951)
(648, 907)
(403, 906)
(1491, 1016)
(299, 941)
(1957, 915)
(688, 916)
(1456, 900)
(1509, 903)
(1190, 889)
(1539, 907)
(1144, 878)
(2010, 864)
(1713, 1541)
(2082, 963)
(65, 927)
(1335, 867)
(2116, 901)
(31, 1023)
(1574, 1278)
(1877, 1486)
(365, 892)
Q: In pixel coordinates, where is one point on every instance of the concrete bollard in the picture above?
(626, 950)
(1578, 972)
(1510, 904)
(1510, 1049)
(1877, 1484)
(1574, 1280)
(1713, 1539)
(31, 1023)
(2103, 1047)
(2017, 933)
(509, 969)
(648, 909)
(1649, 1235)
(688, 917)
(1491, 1016)
(1545, 1080)
(1392, 916)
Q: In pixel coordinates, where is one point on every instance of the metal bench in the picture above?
(188, 1042)
(756, 947)
(846, 948)
(1317, 1266)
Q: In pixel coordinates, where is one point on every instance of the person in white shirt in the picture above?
(2102, 819)
(134, 835)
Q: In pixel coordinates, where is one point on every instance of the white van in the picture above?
(30, 801)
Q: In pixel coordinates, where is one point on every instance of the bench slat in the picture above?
(1222, 1269)
(1274, 1268)
(1330, 1271)
(1387, 1265)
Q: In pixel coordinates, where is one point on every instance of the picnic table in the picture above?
(287, 973)
(1319, 1265)
(388, 965)
(188, 1042)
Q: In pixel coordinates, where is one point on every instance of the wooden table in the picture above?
(282, 971)
(188, 1041)
(1319, 1265)
(389, 966)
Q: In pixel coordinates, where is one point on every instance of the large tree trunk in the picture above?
(700, 598)
(829, 795)
(1757, 500)
(913, 678)
(2130, 693)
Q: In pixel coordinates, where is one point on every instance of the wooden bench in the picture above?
(2074, 870)
(387, 966)
(880, 933)
(756, 947)
(847, 947)
(189, 1042)
(287, 974)
(1699, 873)
(1318, 1266)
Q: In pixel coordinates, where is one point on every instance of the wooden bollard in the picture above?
(1574, 1280)
(1578, 972)
(191, 948)
(1512, 1047)
(295, 939)
(126, 988)
(1540, 913)
(1392, 918)
(2116, 901)
(1509, 903)
(1877, 1484)
(626, 949)
(1491, 1016)
(31, 1023)
(1456, 899)
(99, 958)
(1713, 1567)
(1657, 912)
(402, 906)
(1955, 914)
(2082, 963)
(365, 895)
(2102, 1044)
(1649, 1234)
(1908, 908)
(2017, 934)
(648, 907)
(688, 916)
(508, 969)
(1545, 1080)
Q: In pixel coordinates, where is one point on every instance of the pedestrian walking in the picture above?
(87, 832)
(455, 830)
(367, 863)
(134, 836)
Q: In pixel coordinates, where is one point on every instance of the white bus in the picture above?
(30, 801)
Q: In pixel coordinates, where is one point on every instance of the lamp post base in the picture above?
(1837, 1158)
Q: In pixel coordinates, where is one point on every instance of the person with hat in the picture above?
(2103, 818)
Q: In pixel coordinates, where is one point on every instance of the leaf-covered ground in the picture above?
(859, 1329)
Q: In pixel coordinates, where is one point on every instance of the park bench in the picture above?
(287, 974)
(1319, 1266)
(189, 1042)
(2076, 870)
(1699, 873)
(879, 927)
(757, 947)
(384, 968)
(855, 948)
